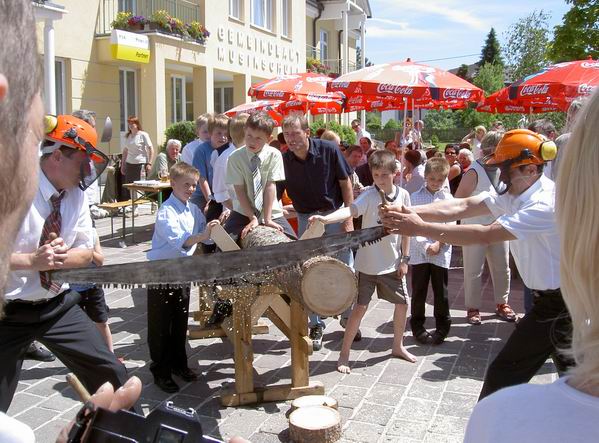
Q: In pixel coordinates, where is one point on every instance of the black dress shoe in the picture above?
(438, 338)
(167, 384)
(186, 374)
(424, 337)
(38, 352)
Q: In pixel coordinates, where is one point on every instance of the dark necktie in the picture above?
(257, 179)
(53, 224)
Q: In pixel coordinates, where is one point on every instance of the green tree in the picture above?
(489, 78)
(373, 121)
(440, 120)
(345, 132)
(578, 36)
(462, 72)
(184, 131)
(393, 125)
(359, 59)
(526, 45)
(491, 52)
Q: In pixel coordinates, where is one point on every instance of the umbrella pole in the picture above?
(403, 132)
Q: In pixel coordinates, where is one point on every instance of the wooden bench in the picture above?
(114, 207)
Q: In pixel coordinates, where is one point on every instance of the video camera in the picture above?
(166, 424)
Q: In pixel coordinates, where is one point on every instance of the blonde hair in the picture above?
(490, 141)
(220, 121)
(577, 212)
(202, 120)
(437, 165)
(237, 129)
(330, 136)
(182, 169)
(383, 159)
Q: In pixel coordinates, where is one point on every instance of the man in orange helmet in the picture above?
(56, 234)
(524, 207)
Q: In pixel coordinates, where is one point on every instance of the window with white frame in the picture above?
(179, 100)
(286, 18)
(235, 9)
(261, 13)
(223, 99)
(128, 95)
(128, 5)
(59, 85)
(324, 45)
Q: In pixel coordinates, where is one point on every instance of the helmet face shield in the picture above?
(498, 175)
(91, 170)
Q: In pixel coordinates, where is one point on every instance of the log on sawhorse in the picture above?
(249, 304)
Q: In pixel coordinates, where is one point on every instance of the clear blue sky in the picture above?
(437, 29)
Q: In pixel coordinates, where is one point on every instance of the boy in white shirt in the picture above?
(381, 266)
(430, 260)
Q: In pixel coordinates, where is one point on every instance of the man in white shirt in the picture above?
(56, 234)
(356, 126)
(524, 205)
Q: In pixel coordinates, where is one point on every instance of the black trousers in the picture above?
(236, 222)
(167, 329)
(67, 331)
(539, 334)
(422, 274)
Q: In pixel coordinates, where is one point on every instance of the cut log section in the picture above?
(313, 400)
(324, 285)
(315, 424)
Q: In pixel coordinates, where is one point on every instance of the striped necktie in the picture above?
(257, 178)
(52, 224)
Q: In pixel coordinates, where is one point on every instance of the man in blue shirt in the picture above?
(317, 179)
(180, 226)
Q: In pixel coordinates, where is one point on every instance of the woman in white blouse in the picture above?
(138, 152)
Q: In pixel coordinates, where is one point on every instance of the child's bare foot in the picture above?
(403, 353)
(343, 365)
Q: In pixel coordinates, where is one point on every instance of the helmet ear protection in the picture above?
(547, 150)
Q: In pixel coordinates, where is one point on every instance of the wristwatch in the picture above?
(405, 259)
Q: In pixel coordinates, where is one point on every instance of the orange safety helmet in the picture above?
(521, 147)
(66, 130)
(72, 132)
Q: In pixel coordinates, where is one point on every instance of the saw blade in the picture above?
(219, 266)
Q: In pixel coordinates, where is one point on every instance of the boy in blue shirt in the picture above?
(180, 226)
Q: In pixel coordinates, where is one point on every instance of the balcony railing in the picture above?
(330, 65)
(187, 11)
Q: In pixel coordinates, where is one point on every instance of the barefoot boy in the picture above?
(180, 226)
(381, 266)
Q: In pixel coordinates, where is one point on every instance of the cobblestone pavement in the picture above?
(382, 400)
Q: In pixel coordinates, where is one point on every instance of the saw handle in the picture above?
(383, 202)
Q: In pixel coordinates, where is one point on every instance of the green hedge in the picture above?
(182, 131)
(346, 133)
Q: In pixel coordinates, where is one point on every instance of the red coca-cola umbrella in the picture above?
(293, 86)
(406, 79)
(499, 102)
(560, 83)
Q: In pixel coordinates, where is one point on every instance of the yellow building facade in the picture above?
(248, 42)
(177, 78)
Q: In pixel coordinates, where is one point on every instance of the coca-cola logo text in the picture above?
(355, 100)
(274, 93)
(386, 88)
(340, 85)
(456, 93)
(590, 64)
(585, 89)
(535, 89)
(510, 108)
